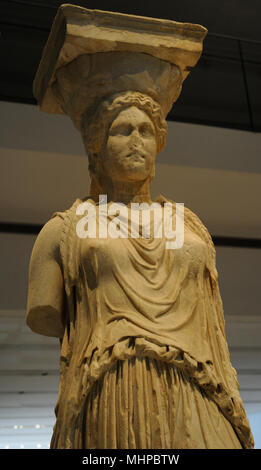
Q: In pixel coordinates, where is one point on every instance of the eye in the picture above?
(121, 129)
(146, 130)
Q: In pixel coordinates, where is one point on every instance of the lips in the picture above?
(136, 155)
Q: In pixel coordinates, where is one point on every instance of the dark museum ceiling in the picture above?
(223, 89)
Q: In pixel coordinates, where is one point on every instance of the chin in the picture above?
(135, 175)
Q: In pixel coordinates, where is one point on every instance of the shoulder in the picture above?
(189, 217)
(193, 219)
(48, 240)
(194, 223)
(47, 244)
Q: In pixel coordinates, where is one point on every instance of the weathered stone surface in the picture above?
(144, 357)
(77, 31)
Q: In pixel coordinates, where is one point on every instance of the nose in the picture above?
(135, 136)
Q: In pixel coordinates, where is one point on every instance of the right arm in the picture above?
(45, 302)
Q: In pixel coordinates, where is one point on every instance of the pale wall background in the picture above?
(215, 172)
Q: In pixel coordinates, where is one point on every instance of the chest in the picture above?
(104, 257)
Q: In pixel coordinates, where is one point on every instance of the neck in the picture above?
(122, 191)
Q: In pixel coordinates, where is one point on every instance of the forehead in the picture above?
(132, 115)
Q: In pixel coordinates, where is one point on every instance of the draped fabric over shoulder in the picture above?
(145, 343)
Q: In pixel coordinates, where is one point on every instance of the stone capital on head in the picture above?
(92, 55)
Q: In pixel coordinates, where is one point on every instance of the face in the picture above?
(131, 149)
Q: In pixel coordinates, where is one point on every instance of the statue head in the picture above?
(95, 89)
(124, 136)
(97, 65)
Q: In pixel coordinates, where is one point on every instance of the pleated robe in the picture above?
(144, 357)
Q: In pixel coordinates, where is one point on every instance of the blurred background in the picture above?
(212, 163)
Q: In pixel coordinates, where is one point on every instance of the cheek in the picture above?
(113, 147)
(153, 147)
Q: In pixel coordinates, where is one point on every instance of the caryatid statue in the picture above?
(144, 357)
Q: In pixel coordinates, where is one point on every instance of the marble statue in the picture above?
(144, 357)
